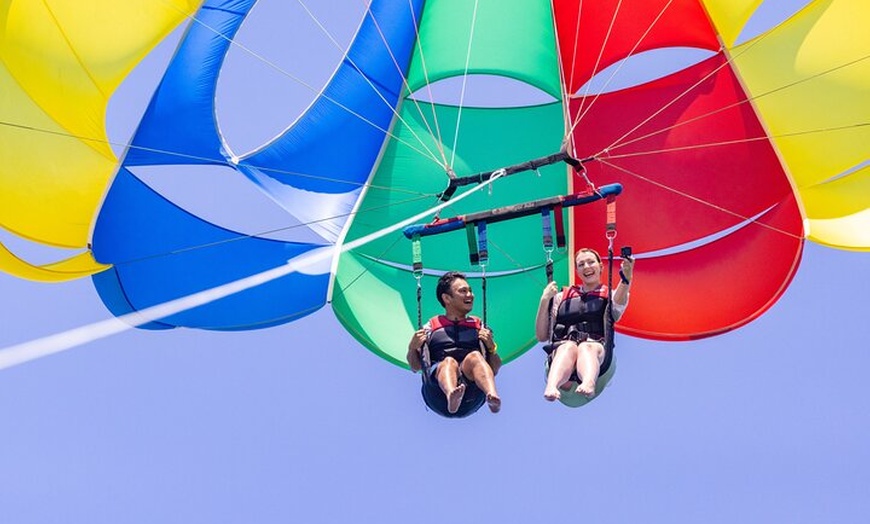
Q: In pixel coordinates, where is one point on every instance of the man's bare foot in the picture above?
(493, 402)
(587, 390)
(552, 394)
(454, 398)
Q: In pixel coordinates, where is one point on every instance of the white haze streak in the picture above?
(43, 347)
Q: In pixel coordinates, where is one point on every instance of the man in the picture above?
(459, 352)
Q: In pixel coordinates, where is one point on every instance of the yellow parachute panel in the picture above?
(60, 61)
(77, 266)
(838, 211)
(809, 79)
(729, 16)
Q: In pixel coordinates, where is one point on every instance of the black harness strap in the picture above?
(548, 241)
(483, 259)
(417, 257)
(609, 332)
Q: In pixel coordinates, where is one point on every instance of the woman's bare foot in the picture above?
(552, 394)
(493, 402)
(454, 398)
(585, 389)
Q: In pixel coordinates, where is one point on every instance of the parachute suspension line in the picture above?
(34, 349)
(439, 143)
(600, 52)
(737, 104)
(404, 225)
(301, 82)
(371, 261)
(371, 84)
(619, 141)
(701, 201)
(584, 111)
(209, 160)
(574, 53)
(721, 142)
(464, 84)
(241, 236)
(566, 86)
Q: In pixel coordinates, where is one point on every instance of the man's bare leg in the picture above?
(448, 376)
(475, 367)
(589, 356)
(560, 369)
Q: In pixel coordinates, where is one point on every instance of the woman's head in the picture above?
(587, 262)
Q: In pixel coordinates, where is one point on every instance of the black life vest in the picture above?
(581, 314)
(453, 339)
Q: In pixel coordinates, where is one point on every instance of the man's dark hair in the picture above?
(445, 282)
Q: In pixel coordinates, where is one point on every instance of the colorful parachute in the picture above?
(728, 162)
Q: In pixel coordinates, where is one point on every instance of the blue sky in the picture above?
(299, 423)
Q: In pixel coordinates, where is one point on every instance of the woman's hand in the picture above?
(627, 268)
(549, 292)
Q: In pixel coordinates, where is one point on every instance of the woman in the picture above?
(573, 321)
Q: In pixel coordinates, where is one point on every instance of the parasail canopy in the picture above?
(728, 162)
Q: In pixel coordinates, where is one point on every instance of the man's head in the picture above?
(453, 292)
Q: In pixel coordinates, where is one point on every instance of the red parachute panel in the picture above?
(595, 34)
(698, 166)
(692, 170)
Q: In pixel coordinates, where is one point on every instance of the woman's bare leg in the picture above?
(589, 355)
(560, 369)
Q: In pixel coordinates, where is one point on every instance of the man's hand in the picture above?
(485, 336)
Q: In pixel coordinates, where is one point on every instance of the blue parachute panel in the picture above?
(176, 254)
(161, 252)
(112, 294)
(179, 125)
(335, 144)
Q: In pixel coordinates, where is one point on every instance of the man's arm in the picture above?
(490, 349)
(413, 356)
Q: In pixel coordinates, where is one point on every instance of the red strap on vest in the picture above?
(575, 291)
(441, 321)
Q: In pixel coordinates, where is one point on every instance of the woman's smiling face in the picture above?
(588, 267)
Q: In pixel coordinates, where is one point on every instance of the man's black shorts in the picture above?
(473, 399)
